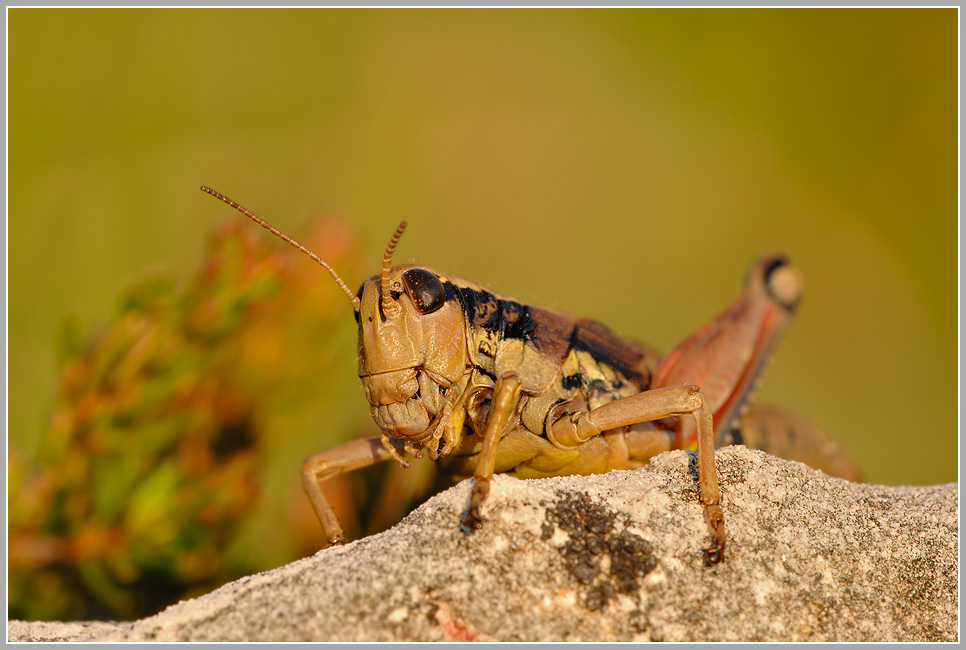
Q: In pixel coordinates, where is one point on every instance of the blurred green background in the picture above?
(621, 164)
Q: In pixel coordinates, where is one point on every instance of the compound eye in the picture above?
(425, 289)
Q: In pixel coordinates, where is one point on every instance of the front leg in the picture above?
(506, 395)
(449, 423)
(569, 430)
(346, 457)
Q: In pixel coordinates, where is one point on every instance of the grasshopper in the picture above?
(482, 384)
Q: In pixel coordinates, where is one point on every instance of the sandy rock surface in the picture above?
(615, 557)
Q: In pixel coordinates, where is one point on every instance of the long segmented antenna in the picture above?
(388, 305)
(278, 233)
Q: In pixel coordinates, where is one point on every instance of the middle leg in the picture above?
(568, 430)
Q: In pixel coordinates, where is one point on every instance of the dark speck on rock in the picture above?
(592, 536)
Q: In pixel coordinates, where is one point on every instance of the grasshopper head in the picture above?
(412, 337)
(412, 346)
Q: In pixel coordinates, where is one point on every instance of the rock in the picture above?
(614, 557)
(56, 631)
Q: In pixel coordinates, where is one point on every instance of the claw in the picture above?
(472, 519)
(393, 452)
(715, 518)
(713, 555)
(412, 450)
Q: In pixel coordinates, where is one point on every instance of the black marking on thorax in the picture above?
(610, 349)
(507, 319)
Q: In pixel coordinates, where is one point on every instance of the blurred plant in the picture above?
(171, 460)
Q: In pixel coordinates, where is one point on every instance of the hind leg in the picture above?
(784, 434)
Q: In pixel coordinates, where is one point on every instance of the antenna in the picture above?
(388, 306)
(278, 233)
